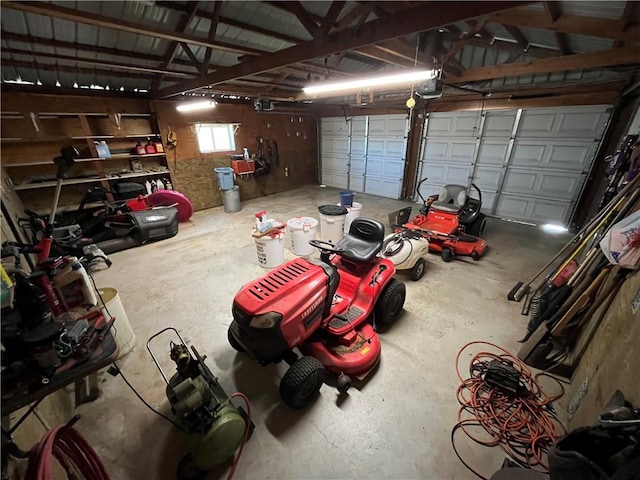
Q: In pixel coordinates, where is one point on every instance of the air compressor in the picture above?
(215, 427)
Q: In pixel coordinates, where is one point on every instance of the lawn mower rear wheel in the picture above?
(476, 228)
(390, 303)
(302, 382)
(447, 254)
(417, 272)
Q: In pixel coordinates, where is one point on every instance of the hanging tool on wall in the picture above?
(276, 154)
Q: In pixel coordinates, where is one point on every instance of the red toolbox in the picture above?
(243, 166)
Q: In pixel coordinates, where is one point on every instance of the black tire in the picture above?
(117, 244)
(447, 254)
(476, 228)
(475, 255)
(233, 342)
(417, 272)
(188, 470)
(389, 304)
(301, 383)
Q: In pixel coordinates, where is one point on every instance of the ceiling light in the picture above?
(381, 80)
(193, 106)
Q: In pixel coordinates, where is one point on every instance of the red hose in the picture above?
(73, 452)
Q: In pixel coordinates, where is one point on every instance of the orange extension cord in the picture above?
(523, 425)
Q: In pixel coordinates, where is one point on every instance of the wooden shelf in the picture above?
(116, 156)
(52, 183)
(120, 176)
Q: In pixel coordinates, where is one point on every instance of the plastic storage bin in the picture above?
(225, 177)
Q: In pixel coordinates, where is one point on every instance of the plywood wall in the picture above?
(612, 359)
(193, 174)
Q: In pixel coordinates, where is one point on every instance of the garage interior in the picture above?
(533, 107)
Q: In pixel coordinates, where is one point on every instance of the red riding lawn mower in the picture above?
(451, 221)
(324, 308)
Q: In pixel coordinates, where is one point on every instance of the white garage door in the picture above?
(530, 164)
(364, 154)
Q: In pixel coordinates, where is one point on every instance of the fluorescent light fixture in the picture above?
(193, 106)
(378, 81)
(553, 228)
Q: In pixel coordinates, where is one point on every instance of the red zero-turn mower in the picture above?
(452, 222)
(325, 308)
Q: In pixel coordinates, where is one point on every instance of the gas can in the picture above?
(150, 147)
(140, 149)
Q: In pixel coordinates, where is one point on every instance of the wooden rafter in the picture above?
(89, 61)
(215, 17)
(331, 16)
(303, 16)
(422, 17)
(88, 18)
(456, 47)
(606, 58)
(563, 44)
(187, 49)
(482, 30)
(356, 13)
(625, 20)
(77, 70)
(572, 24)
(519, 37)
(552, 9)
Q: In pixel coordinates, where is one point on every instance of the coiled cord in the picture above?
(522, 424)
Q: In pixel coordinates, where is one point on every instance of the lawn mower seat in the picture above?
(364, 240)
(451, 199)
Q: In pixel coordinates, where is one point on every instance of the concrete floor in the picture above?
(397, 425)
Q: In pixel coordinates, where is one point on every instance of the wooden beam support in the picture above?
(88, 61)
(215, 16)
(573, 24)
(456, 47)
(77, 70)
(419, 18)
(331, 16)
(87, 18)
(519, 37)
(482, 30)
(625, 20)
(563, 44)
(301, 14)
(606, 58)
(356, 13)
(192, 56)
(552, 9)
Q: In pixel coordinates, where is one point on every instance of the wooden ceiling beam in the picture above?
(456, 47)
(552, 9)
(572, 24)
(88, 18)
(563, 44)
(482, 30)
(422, 17)
(356, 13)
(187, 49)
(519, 37)
(77, 70)
(606, 58)
(625, 20)
(215, 17)
(294, 7)
(331, 16)
(88, 61)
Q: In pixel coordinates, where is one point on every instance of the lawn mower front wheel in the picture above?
(447, 254)
(233, 342)
(302, 382)
(390, 303)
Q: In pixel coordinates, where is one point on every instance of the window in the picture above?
(215, 137)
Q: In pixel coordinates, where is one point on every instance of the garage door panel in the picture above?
(335, 146)
(573, 122)
(358, 146)
(532, 210)
(574, 156)
(499, 124)
(383, 187)
(449, 150)
(358, 127)
(492, 152)
(335, 163)
(356, 183)
(357, 164)
(386, 147)
(334, 126)
(453, 124)
(550, 185)
(384, 167)
(442, 174)
(487, 178)
(334, 179)
(488, 200)
(387, 125)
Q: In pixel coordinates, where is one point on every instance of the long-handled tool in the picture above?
(582, 238)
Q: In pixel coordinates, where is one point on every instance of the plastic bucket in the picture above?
(301, 230)
(353, 213)
(123, 333)
(231, 199)
(332, 222)
(270, 250)
(225, 177)
(346, 198)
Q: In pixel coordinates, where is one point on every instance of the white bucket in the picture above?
(354, 212)
(123, 333)
(270, 250)
(332, 222)
(301, 230)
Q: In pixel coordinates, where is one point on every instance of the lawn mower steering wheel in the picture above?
(471, 209)
(326, 247)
